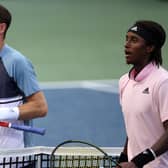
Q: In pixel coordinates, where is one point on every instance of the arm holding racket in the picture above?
(34, 107)
(138, 161)
(8, 113)
(150, 154)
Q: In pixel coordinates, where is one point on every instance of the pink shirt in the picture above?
(144, 102)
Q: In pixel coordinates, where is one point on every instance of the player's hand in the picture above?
(127, 165)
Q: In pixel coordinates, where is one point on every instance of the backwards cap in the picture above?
(150, 31)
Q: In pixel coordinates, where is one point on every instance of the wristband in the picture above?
(8, 113)
(123, 158)
(143, 158)
(154, 154)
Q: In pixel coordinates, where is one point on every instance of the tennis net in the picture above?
(64, 157)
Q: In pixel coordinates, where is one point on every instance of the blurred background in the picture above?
(79, 39)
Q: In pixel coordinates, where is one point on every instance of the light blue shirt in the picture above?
(21, 70)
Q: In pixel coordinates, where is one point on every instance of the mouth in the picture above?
(127, 54)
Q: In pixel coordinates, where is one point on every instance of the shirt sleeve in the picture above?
(163, 100)
(25, 76)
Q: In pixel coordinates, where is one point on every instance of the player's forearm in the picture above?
(36, 106)
(32, 110)
(161, 146)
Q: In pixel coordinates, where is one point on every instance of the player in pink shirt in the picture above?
(144, 98)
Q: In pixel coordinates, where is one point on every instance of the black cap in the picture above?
(150, 31)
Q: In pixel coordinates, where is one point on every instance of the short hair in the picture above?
(5, 17)
(157, 37)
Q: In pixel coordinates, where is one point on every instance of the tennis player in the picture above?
(21, 98)
(144, 98)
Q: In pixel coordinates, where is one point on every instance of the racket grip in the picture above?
(35, 130)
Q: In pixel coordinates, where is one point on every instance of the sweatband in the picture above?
(154, 154)
(123, 158)
(9, 113)
(143, 158)
(145, 34)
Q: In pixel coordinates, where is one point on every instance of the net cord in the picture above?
(110, 159)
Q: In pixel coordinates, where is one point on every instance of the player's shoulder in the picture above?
(123, 78)
(161, 74)
(163, 70)
(159, 77)
(14, 57)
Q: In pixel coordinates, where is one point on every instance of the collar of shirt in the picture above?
(143, 73)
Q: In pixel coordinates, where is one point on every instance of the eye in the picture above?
(134, 39)
(131, 39)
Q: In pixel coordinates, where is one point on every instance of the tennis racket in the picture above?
(110, 162)
(26, 128)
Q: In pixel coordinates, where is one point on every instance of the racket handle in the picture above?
(35, 130)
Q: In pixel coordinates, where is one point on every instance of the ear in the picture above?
(2, 28)
(150, 48)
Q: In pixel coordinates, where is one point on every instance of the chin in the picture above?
(128, 62)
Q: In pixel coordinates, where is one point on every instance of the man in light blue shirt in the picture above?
(21, 98)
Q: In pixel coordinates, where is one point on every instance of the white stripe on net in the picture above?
(112, 151)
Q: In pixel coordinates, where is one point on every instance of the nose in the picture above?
(127, 44)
